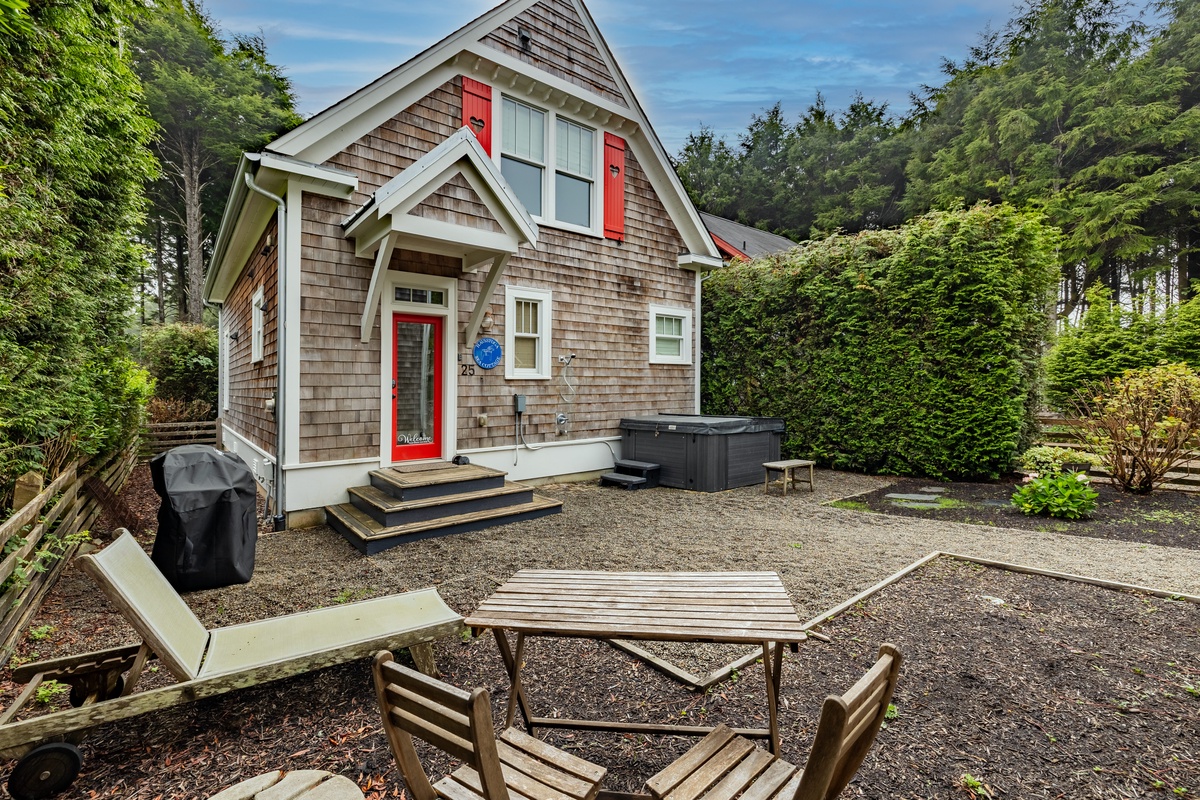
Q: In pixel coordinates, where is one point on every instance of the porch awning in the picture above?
(395, 217)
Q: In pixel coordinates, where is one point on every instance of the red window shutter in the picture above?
(614, 187)
(477, 111)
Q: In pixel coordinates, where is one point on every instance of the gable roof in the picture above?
(464, 53)
(736, 240)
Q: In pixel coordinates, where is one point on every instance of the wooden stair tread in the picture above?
(389, 505)
(367, 528)
(435, 477)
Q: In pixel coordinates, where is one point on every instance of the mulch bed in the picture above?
(1164, 517)
(1013, 686)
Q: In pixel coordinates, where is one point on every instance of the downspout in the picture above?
(280, 343)
(701, 277)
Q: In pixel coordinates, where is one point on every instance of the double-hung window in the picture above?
(527, 332)
(523, 161)
(550, 163)
(670, 335)
(573, 178)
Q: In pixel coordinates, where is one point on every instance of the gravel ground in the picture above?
(824, 555)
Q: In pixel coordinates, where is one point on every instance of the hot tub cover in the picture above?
(207, 529)
(702, 425)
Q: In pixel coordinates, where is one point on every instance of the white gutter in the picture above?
(280, 342)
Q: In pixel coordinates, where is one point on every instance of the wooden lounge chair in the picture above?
(515, 765)
(727, 767)
(203, 662)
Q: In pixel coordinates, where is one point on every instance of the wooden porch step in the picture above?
(438, 479)
(390, 512)
(370, 537)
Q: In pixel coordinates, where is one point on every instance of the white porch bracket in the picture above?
(383, 257)
(485, 297)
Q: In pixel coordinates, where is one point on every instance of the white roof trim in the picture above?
(699, 262)
(337, 127)
(408, 189)
(333, 121)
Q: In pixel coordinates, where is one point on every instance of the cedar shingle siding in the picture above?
(251, 384)
(601, 289)
(559, 44)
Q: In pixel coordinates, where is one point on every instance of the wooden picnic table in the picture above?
(724, 607)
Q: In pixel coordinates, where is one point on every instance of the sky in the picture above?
(690, 62)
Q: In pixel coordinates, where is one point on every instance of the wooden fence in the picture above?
(62, 509)
(160, 437)
(1059, 431)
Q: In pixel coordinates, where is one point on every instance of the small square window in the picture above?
(670, 335)
(527, 333)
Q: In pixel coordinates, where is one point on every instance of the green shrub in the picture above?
(913, 351)
(183, 360)
(1144, 423)
(1045, 459)
(73, 164)
(1066, 495)
(1109, 340)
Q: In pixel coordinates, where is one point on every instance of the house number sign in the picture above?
(487, 353)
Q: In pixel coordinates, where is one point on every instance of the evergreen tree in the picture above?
(211, 102)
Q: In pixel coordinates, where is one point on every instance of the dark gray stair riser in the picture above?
(641, 469)
(623, 481)
(372, 546)
(448, 508)
(436, 490)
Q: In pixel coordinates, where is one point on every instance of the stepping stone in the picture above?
(916, 498)
(932, 490)
(997, 503)
(913, 504)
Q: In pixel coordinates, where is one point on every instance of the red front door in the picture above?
(416, 387)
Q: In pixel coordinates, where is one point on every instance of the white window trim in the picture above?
(685, 347)
(544, 298)
(550, 167)
(257, 326)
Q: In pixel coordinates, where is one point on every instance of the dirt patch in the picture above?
(1106, 674)
(1019, 686)
(1165, 517)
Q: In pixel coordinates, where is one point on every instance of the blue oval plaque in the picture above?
(487, 353)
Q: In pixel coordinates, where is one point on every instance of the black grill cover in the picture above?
(206, 523)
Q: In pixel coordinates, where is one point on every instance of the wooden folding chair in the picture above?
(724, 767)
(460, 724)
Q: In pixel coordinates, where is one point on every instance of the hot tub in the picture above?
(703, 453)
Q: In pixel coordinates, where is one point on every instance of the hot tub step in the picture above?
(622, 480)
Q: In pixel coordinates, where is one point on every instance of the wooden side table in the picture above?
(788, 468)
(301, 784)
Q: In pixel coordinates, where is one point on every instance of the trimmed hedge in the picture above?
(1109, 340)
(913, 351)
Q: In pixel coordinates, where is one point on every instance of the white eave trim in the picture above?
(240, 229)
(699, 262)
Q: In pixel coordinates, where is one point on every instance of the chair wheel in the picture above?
(45, 771)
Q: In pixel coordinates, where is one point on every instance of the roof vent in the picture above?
(525, 37)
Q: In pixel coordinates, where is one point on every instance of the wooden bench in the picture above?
(788, 468)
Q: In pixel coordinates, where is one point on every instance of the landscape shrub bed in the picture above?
(912, 351)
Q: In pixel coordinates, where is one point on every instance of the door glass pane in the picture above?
(526, 182)
(416, 371)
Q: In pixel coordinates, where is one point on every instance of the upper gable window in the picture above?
(573, 180)
(523, 161)
(550, 161)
